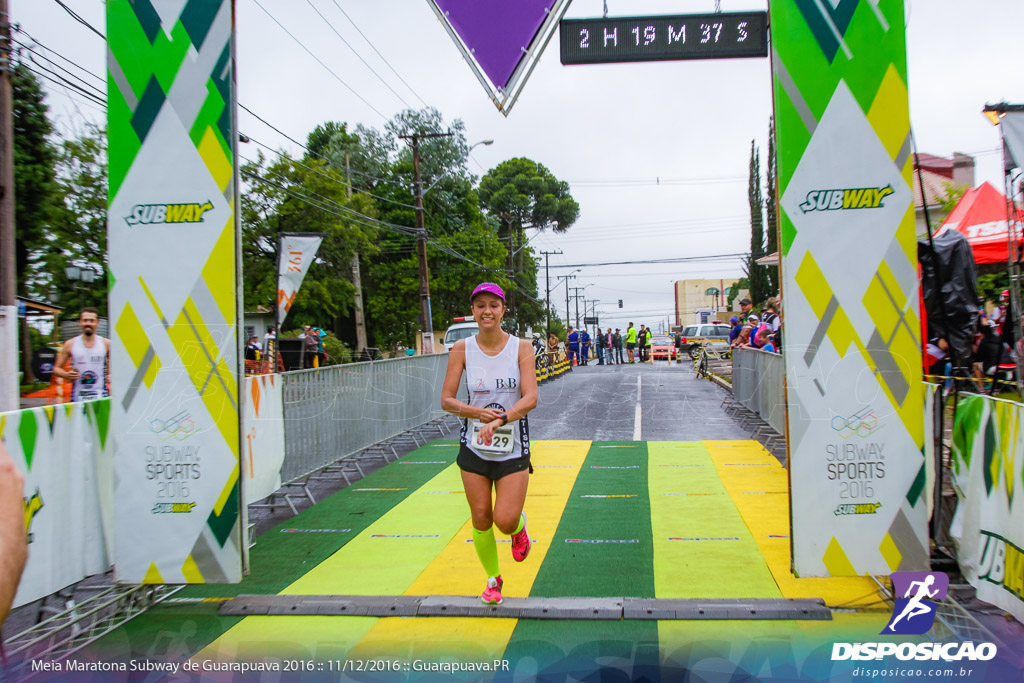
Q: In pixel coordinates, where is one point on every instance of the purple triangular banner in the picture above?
(496, 32)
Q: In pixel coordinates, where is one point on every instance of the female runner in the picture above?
(494, 446)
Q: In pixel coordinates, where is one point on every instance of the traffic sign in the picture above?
(590, 321)
(664, 37)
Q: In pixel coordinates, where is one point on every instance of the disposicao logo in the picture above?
(158, 214)
(852, 198)
(914, 615)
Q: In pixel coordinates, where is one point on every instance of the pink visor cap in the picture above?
(490, 288)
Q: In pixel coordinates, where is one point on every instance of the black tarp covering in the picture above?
(952, 265)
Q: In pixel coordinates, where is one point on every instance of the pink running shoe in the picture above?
(492, 594)
(521, 543)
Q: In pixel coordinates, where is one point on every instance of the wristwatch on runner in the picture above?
(504, 419)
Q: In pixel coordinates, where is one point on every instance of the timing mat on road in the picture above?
(666, 520)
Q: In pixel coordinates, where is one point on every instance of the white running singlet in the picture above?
(91, 364)
(494, 382)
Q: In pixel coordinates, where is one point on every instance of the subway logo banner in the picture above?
(173, 240)
(988, 475)
(850, 289)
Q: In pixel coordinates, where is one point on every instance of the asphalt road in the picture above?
(639, 402)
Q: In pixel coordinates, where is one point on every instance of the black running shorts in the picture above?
(471, 462)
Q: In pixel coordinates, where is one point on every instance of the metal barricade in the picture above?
(333, 412)
(757, 378)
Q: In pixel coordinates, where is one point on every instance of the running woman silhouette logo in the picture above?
(914, 613)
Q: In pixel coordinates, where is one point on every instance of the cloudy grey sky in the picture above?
(656, 153)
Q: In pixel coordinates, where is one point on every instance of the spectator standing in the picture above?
(745, 307)
(630, 342)
(252, 349)
(584, 346)
(572, 346)
(602, 342)
(641, 344)
(752, 322)
(552, 349)
(617, 346)
(735, 331)
(609, 348)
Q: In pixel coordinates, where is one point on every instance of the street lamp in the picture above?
(75, 274)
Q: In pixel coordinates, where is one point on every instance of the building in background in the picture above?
(938, 173)
(698, 301)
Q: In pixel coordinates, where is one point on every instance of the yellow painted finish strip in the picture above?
(767, 517)
(688, 501)
(457, 571)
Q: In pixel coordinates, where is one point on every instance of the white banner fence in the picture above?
(988, 472)
(66, 452)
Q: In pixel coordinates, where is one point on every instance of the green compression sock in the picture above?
(487, 550)
(522, 523)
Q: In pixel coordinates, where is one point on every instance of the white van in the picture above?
(461, 328)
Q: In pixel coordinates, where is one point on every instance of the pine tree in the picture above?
(757, 273)
(771, 209)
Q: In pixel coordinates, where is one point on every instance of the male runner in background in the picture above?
(90, 359)
(630, 342)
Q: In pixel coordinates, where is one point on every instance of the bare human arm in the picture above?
(13, 541)
(62, 358)
(528, 387)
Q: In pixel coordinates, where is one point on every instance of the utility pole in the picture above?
(547, 286)
(427, 330)
(8, 277)
(357, 280)
(566, 278)
(577, 298)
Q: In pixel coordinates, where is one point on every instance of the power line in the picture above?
(682, 259)
(318, 60)
(293, 140)
(52, 51)
(64, 83)
(331, 26)
(79, 19)
(335, 180)
(372, 47)
(99, 94)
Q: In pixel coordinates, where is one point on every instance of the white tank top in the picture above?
(494, 382)
(91, 364)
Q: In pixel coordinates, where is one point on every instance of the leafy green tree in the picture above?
(463, 246)
(772, 209)
(308, 196)
(522, 194)
(79, 234)
(35, 190)
(758, 277)
(734, 290)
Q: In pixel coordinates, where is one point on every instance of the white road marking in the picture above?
(636, 415)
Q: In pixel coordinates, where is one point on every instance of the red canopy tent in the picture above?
(981, 216)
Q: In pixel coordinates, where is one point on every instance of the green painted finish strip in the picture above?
(597, 569)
